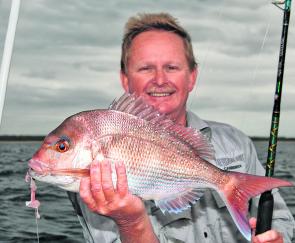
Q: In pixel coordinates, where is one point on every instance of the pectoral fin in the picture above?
(179, 202)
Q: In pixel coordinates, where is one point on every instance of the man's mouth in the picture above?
(160, 94)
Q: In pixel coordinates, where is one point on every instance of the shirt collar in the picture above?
(196, 122)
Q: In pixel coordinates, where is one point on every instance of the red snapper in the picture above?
(165, 162)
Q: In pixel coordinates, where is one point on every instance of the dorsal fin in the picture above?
(194, 139)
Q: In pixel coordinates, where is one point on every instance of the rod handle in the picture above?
(265, 210)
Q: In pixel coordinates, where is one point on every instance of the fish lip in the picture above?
(36, 174)
(32, 173)
(39, 176)
(37, 166)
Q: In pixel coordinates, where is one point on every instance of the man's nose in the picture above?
(160, 77)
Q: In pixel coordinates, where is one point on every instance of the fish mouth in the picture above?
(32, 173)
(36, 174)
(62, 182)
(37, 166)
(39, 169)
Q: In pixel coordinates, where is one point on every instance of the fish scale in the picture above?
(151, 164)
(120, 122)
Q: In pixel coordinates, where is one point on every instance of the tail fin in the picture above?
(240, 189)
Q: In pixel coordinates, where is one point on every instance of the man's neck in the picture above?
(181, 119)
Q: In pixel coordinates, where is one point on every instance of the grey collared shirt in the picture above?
(208, 220)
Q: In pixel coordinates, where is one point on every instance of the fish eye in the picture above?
(62, 146)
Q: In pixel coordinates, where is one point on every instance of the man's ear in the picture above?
(193, 79)
(124, 81)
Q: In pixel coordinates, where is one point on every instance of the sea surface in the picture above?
(58, 221)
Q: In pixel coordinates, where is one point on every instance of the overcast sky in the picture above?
(66, 59)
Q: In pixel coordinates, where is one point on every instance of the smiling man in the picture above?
(158, 70)
(158, 64)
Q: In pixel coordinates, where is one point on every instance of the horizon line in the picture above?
(41, 137)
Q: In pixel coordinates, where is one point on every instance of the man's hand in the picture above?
(127, 210)
(271, 236)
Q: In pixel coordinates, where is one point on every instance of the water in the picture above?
(58, 221)
(17, 223)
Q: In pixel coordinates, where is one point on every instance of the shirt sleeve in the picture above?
(283, 220)
(96, 228)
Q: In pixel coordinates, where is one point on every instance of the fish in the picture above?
(165, 161)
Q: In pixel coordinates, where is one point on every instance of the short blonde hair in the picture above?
(154, 21)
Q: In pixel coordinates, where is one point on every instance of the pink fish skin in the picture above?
(165, 162)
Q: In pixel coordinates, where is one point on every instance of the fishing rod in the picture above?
(265, 207)
(7, 52)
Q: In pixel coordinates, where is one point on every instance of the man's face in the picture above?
(157, 69)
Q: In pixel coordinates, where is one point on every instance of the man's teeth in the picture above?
(159, 94)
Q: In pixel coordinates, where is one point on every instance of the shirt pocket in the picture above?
(229, 231)
(225, 228)
(176, 232)
(231, 161)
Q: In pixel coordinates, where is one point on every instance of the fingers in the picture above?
(98, 191)
(122, 182)
(95, 183)
(100, 195)
(252, 222)
(106, 180)
(101, 182)
(268, 236)
(86, 194)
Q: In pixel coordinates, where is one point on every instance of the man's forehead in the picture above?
(157, 45)
(156, 35)
(154, 62)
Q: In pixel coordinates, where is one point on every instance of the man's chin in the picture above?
(158, 101)
(166, 105)
(163, 108)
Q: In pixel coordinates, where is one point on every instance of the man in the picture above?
(158, 64)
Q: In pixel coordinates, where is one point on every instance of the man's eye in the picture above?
(172, 68)
(145, 68)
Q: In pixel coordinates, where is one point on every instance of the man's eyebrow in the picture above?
(172, 63)
(144, 63)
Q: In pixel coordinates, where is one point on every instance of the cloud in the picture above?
(44, 74)
(67, 53)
